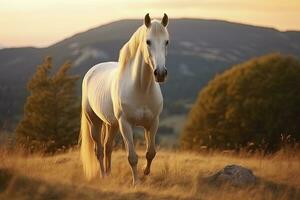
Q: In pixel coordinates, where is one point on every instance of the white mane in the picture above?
(129, 50)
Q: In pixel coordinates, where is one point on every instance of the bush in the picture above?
(257, 103)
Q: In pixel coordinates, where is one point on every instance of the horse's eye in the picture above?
(167, 42)
(148, 42)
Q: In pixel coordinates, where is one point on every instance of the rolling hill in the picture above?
(199, 49)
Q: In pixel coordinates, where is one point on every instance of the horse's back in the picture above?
(98, 82)
(101, 69)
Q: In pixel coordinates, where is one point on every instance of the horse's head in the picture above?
(155, 46)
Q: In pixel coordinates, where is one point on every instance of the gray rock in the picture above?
(234, 175)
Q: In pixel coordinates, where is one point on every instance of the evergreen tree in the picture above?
(51, 112)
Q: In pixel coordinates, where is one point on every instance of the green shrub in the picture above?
(257, 103)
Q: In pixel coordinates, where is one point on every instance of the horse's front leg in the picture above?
(150, 142)
(127, 134)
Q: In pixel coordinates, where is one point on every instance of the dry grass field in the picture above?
(175, 175)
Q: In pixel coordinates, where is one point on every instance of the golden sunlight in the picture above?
(41, 23)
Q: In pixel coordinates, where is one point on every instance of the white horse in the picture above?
(120, 95)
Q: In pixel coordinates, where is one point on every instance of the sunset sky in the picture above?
(44, 22)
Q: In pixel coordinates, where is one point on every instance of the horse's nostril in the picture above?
(155, 72)
(166, 72)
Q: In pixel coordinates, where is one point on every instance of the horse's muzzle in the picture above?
(160, 75)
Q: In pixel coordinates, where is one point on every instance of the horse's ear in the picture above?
(165, 20)
(147, 20)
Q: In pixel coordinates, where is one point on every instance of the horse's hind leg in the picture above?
(108, 146)
(150, 142)
(96, 133)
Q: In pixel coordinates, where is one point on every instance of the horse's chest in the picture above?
(143, 113)
(141, 109)
(140, 115)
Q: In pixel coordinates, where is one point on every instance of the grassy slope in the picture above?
(174, 176)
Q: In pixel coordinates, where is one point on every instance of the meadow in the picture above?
(175, 175)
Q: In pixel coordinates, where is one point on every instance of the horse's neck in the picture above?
(140, 73)
(133, 66)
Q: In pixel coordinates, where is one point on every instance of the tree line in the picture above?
(254, 104)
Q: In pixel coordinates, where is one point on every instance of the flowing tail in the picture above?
(87, 152)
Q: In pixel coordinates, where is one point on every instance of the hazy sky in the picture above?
(43, 22)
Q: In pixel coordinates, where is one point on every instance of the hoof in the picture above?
(137, 183)
(104, 175)
(107, 174)
(146, 171)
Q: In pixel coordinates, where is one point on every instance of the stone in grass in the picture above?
(234, 175)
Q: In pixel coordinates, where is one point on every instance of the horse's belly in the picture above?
(104, 109)
(99, 94)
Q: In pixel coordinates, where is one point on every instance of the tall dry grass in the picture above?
(175, 175)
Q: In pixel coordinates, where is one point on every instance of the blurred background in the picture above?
(207, 38)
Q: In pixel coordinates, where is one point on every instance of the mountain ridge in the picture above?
(199, 49)
(134, 19)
